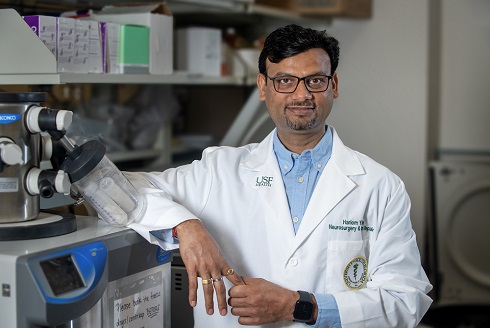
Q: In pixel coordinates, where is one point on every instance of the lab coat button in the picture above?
(293, 261)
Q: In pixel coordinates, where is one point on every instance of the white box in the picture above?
(160, 21)
(45, 28)
(112, 32)
(199, 50)
(81, 55)
(95, 55)
(65, 43)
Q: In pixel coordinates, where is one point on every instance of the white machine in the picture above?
(58, 269)
(462, 221)
(97, 276)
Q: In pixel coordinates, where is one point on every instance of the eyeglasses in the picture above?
(289, 83)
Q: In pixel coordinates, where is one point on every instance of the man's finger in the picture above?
(234, 277)
(192, 289)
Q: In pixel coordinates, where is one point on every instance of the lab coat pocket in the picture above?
(347, 265)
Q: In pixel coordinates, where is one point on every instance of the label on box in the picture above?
(66, 44)
(112, 48)
(45, 29)
(95, 48)
(81, 55)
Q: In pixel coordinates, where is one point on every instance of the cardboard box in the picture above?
(65, 44)
(45, 28)
(199, 50)
(343, 8)
(81, 55)
(95, 54)
(134, 46)
(160, 21)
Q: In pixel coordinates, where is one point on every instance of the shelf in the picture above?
(132, 155)
(174, 79)
(177, 78)
(26, 60)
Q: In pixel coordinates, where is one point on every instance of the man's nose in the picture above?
(302, 91)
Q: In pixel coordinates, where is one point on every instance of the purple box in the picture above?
(45, 29)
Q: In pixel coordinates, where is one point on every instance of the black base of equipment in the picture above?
(49, 224)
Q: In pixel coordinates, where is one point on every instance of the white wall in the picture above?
(465, 75)
(383, 80)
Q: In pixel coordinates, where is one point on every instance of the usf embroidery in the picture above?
(355, 273)
(264, 181)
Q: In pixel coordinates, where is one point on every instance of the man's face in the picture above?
(302, 111)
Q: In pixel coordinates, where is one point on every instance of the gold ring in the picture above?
(230, 271)
(217, 279)
(206, 281)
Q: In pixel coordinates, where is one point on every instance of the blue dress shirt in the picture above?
(300, 173)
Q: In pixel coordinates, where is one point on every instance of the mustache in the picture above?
(306, 103)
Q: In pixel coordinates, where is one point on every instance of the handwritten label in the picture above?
(141, 308)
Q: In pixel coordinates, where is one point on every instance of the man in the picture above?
(306, 230)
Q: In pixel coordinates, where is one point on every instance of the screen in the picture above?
(62, 274)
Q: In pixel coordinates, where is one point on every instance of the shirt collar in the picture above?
(320, 154)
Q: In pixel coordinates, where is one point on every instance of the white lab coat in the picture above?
(239, 195)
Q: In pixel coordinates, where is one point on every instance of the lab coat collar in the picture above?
(334, 184)
(345, 158)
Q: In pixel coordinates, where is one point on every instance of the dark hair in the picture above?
(293, 39)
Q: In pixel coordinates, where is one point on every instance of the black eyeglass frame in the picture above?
(329, 77)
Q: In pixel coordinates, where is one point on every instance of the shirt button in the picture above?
(286, 167)
(293, 261)
(301, 179)
(319, 165)
(295, 219)
(295, 156)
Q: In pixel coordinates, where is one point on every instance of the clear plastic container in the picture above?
(111, 194)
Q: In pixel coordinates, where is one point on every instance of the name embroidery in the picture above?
(352, 226)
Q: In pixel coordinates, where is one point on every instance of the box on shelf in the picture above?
(81, 54)
(110, 45)
(199, 50)
(95, 54)
(160, 22)
(45, 28)
(65, 44)
(134, 49)
(346, 8)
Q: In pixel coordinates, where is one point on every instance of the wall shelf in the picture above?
(26, 60)
(177, 78)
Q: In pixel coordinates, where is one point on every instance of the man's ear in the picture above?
(335, 85)
(261, 85)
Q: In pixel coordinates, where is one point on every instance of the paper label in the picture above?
(140, 304)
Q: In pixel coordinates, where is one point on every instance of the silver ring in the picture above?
(218, 279)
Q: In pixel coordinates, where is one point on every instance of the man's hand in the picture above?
(261, 302)
(202, 258)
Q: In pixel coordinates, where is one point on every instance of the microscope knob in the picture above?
(39, 119)
(63, 119)
(10, 153)
(62, 183)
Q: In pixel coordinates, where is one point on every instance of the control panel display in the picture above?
(62, 274)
